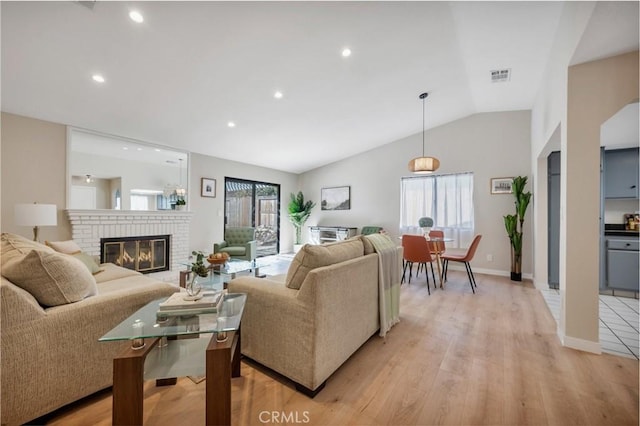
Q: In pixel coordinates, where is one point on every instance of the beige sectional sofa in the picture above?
(307, 324)
(50, 355)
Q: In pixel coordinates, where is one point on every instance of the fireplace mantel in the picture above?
(88, 226)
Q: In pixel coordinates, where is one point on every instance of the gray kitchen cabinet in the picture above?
(623, 263)
(621, 173)
(553, 230)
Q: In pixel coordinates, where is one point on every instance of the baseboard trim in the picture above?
(486, 271)
(579, 344)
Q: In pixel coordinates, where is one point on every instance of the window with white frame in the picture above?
(448, 199)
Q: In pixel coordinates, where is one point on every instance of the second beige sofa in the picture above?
(307, 325)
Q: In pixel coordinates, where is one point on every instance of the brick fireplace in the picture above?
(89, 226)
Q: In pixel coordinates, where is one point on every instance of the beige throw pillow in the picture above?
(67, 247)
(15, 247)
(52, 278)
(311, 256)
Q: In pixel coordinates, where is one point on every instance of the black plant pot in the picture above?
(516, 276)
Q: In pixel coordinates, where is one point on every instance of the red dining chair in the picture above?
(416, 250)
(464, 258)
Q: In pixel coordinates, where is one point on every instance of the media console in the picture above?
(328, 234)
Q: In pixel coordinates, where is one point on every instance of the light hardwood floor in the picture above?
(455, 358)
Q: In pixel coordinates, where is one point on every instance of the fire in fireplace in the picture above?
(142, 254)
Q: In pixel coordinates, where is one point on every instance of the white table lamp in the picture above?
(36, 215)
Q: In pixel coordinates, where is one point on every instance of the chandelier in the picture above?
(175, 189)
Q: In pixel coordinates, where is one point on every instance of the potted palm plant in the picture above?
(299, 212)
(513, 224)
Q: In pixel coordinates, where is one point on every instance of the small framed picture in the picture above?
(501, 185)
(337, 198)
(208, 187)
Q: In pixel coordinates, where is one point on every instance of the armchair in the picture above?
(239, 243)
(368, 230)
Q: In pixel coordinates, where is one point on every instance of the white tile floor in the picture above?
(619, 321)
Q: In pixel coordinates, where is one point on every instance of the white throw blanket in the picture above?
(389, 273)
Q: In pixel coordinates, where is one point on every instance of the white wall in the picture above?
(207, 225)
(578, 326)
(34, 169)
(489, 145)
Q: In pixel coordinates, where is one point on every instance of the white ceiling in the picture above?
(191, 67)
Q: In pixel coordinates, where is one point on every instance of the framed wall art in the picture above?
(336, 198)
(501, 185)
(208, 187)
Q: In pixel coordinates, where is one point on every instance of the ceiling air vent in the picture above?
(87, 4)
(501, 76)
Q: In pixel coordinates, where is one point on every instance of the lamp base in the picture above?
(35, 233)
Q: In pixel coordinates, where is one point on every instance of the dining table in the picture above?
(438, 248)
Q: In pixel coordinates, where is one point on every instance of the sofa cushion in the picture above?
(88, 261)
(113, 272)
(15, 247)
(52, 278)
(368, 247)
(234, 251)
(67, 247)
(313, 256)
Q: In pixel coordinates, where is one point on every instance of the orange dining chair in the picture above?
(417, 250)
(464, 258)
(437, 233)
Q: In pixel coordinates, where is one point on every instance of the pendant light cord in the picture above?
(423, 126)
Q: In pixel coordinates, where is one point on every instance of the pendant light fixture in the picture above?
(423, 165)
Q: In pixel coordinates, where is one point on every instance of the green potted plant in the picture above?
(514, 223)
(198, 269)
(299, 212)
(181, 203)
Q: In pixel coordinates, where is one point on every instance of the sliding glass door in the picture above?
(255, 204)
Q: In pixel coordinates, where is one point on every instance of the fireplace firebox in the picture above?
(144, 254)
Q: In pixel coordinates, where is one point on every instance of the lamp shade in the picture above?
(36, 214)
(424, 165)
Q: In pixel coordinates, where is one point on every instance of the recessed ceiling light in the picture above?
(136, 16)
(157, 150)
(231, 124)
(139, 149)
(346, 52)
(126, 148)
(98, 78)
(278, 95)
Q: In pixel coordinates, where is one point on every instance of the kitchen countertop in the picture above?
(618, 230)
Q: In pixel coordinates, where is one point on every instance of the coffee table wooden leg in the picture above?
(218, 386)
(128, 392)
(235, 353)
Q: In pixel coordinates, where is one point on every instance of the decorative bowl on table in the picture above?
(218, 258)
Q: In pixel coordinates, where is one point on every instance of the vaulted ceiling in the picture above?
(190, 68)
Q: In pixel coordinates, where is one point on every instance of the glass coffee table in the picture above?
(220, 275)
(174, 346)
